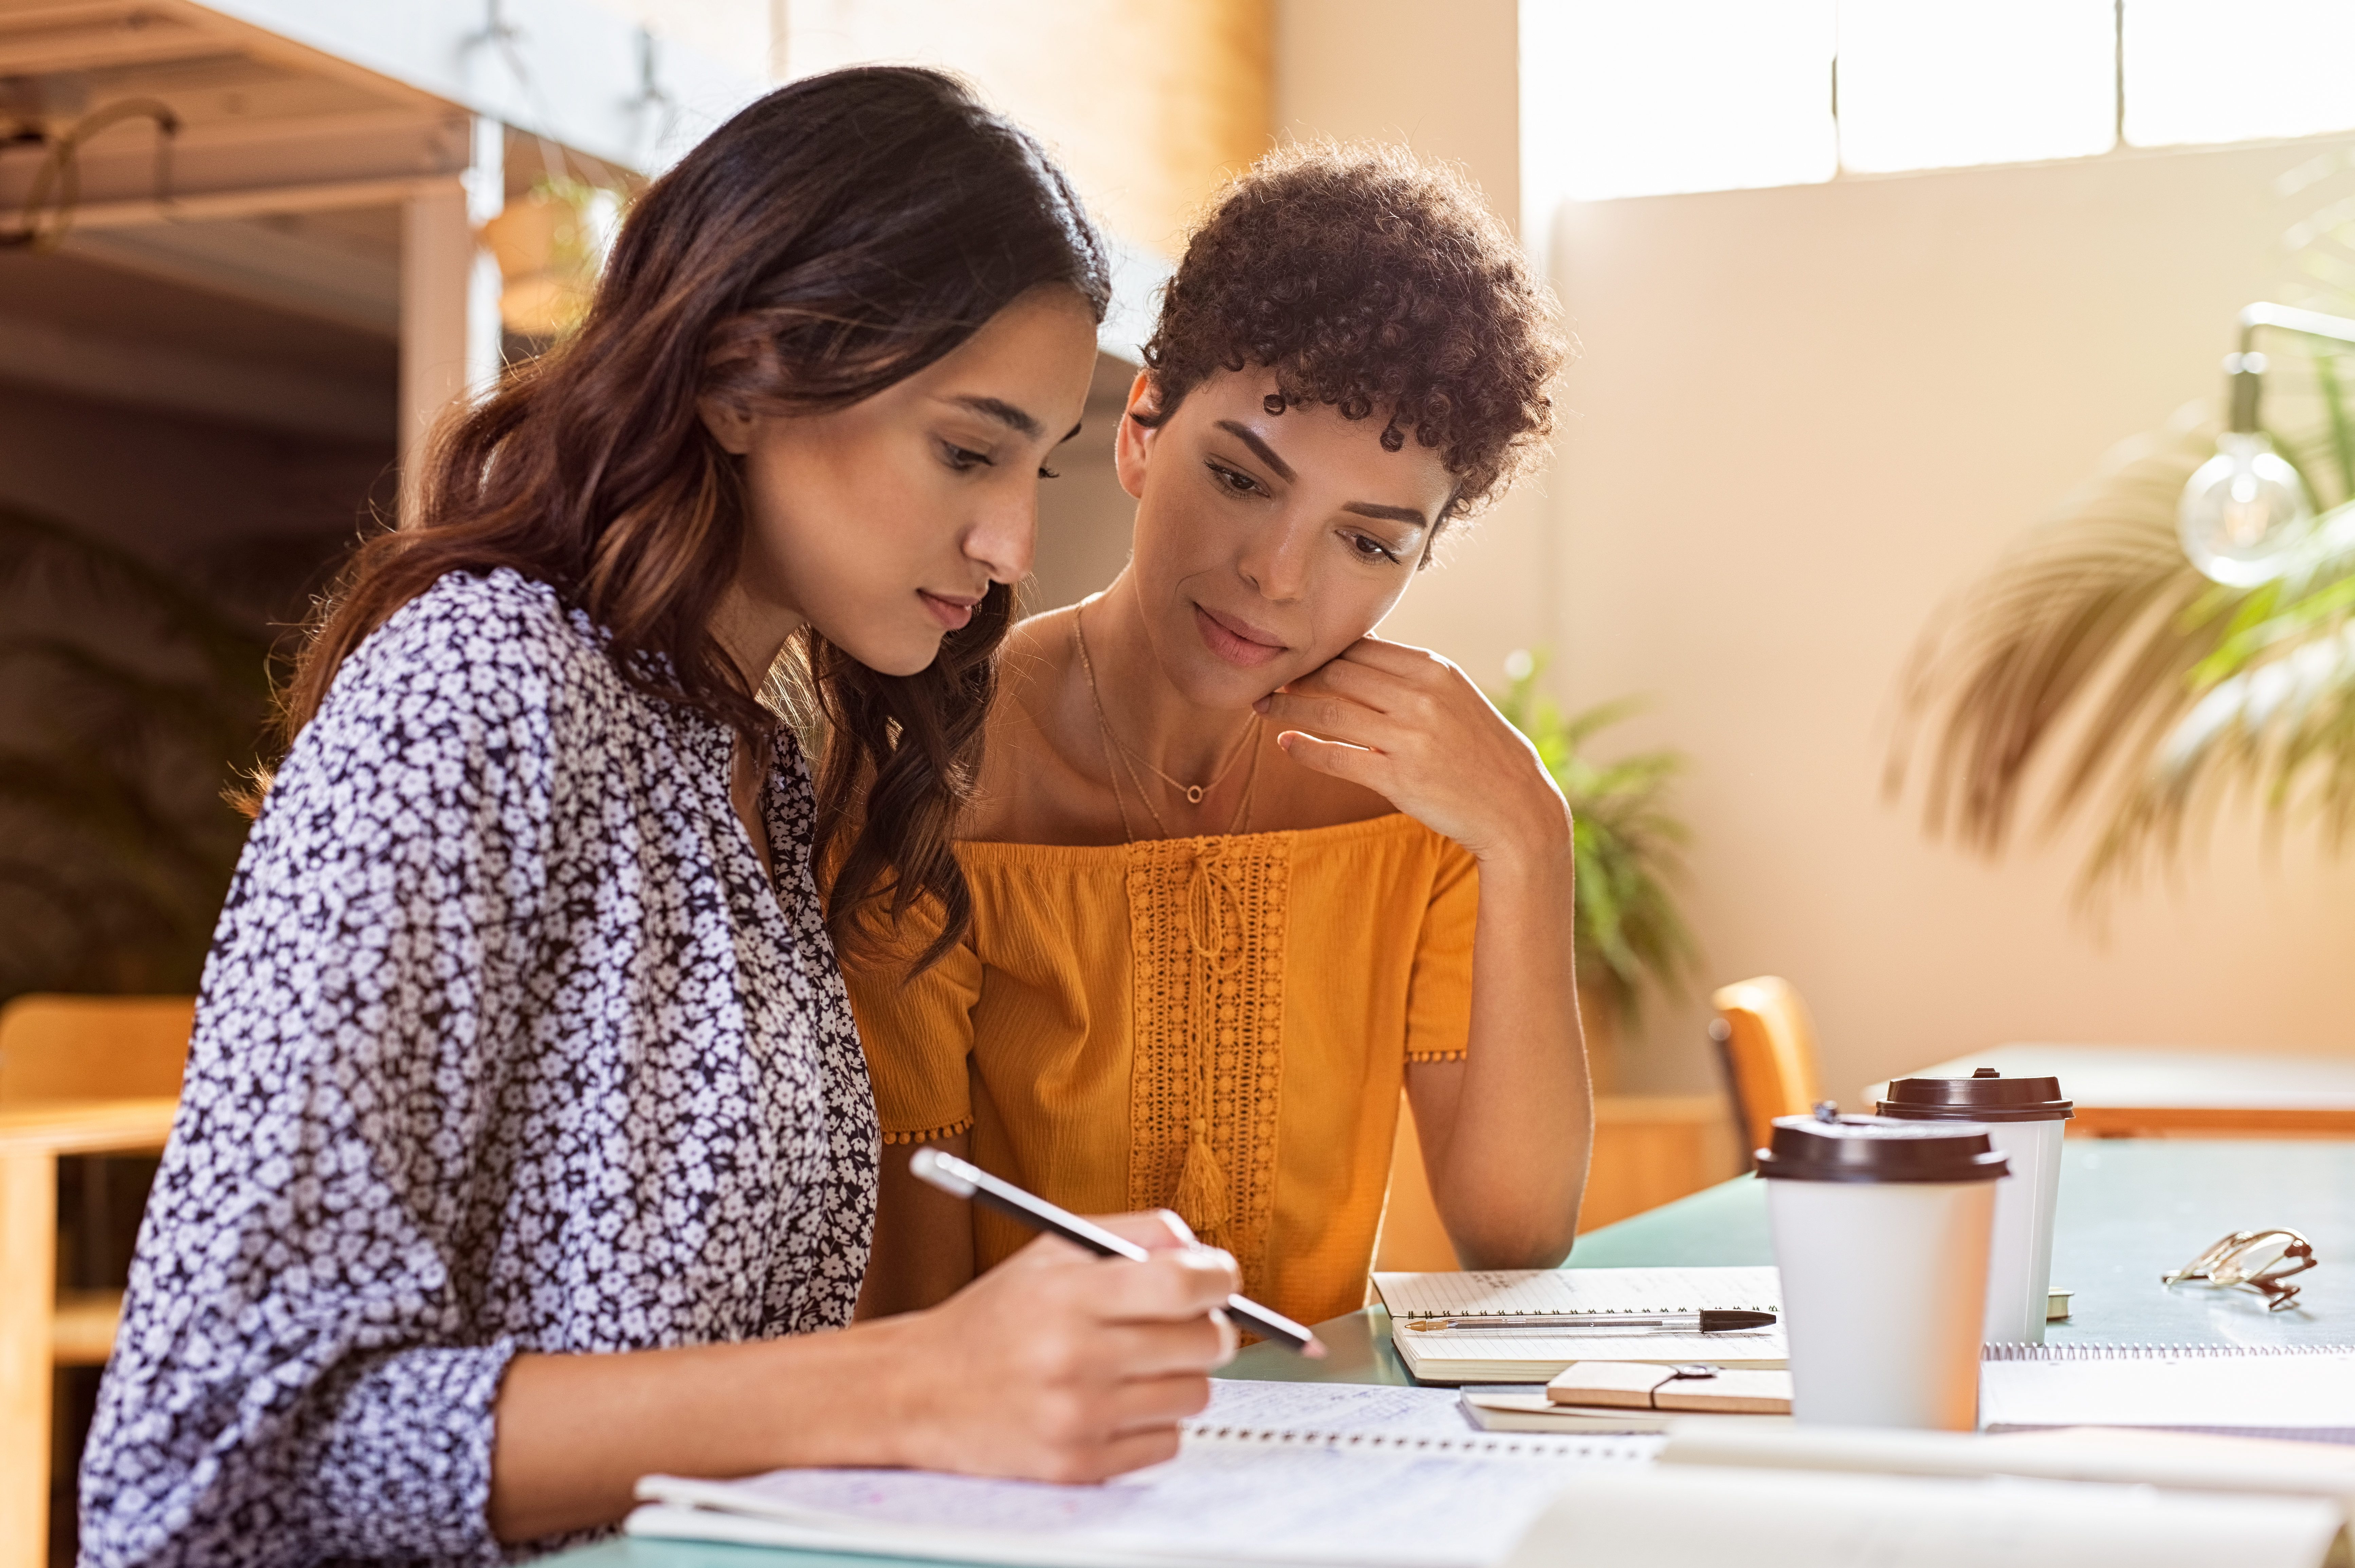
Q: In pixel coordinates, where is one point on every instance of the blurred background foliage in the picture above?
(132, 693)
(2096, 672)
(1629, 844)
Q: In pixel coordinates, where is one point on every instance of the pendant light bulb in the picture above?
(2244, 517)
(2244, 514)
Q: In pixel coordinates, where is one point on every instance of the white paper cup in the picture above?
(1882, 1231)
(2024, 1117)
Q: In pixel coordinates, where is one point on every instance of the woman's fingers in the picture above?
(1169, 1287)
(1130, 1451)
(1147, 1403)
(1333, 717)
(1356, 682)
(1356, 763)
(1158, 1350)
(1155, 1230)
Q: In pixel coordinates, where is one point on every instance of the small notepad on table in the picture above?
(1507, 1354)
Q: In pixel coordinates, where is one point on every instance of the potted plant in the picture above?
(1629, 847)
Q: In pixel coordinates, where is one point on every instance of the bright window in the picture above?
(1648, 97)
(1926, 85)
(2198, 70)
(1669, 95)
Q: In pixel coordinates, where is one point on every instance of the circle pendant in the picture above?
(1193, 794)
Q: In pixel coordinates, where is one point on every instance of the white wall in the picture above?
(1805, 418)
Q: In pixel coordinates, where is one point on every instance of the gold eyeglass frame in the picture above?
(2222, 1265)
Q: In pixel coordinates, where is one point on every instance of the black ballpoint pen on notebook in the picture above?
(963, 1178)
(1709, 1322)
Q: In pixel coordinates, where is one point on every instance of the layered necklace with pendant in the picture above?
(1127, 761)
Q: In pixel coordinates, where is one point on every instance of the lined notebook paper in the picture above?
(1271, 1473)
(2308, 1390)
(1524, 1355)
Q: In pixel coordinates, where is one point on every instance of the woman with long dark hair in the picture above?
(526, 1142)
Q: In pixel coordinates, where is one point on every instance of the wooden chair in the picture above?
(1766, 1044)
(78, 1075)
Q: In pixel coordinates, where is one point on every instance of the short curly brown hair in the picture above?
(1374, 283)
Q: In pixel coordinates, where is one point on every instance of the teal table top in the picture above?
(2130, 1210)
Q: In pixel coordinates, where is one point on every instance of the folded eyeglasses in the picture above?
(2261, 1261)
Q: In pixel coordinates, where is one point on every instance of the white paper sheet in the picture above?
(1335, 1407)
(1695, 1516)
(1324, 1474)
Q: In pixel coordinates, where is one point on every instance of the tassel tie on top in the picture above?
(1214, 915)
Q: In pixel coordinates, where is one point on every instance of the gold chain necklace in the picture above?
(1113, 769)
(1193, 792)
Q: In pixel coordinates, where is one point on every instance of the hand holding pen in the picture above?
(963, 1178)
(1054, 1366)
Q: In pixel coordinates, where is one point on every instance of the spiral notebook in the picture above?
(2260, 1391)
(1277, 1474)
(1507, 1354)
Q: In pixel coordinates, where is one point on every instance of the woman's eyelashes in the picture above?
(964, 459)
(1367, 548)
(1234, 480)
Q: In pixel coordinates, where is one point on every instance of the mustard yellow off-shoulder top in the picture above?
(1216, 1025)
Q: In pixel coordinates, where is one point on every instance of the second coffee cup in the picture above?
(2024, 1117)
(1881, 1232)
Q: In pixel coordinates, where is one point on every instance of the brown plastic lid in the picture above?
(1827, 1146)
(1984, 1096)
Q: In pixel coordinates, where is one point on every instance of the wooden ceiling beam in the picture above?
(141, 38)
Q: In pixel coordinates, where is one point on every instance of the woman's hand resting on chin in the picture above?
(1412, 727)
(1059, 1365)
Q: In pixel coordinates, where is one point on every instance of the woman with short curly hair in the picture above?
(1239, 868)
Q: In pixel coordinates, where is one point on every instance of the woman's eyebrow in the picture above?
(1387, 514)
(1004, 413)
(1259, 449)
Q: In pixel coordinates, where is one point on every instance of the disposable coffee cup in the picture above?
(1881, 1232)
(2023, 1116)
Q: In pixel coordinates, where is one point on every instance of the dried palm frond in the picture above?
(2096, 666)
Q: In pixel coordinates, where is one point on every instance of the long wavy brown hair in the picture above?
(837, 236)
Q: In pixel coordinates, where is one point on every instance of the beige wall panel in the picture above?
(1804, 418)
(1441, 78)
(1149, 107)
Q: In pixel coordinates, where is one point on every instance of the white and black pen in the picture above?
(963, 1178)
(1710, 1322)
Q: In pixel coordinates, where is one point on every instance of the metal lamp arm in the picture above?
(2244, 371)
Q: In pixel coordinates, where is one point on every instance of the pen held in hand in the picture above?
(1709, 1322)
(963, 1178)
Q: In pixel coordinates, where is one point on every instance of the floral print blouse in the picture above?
(506, 1043)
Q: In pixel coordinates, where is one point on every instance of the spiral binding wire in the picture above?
(1533, 1446)
(2098, 1352)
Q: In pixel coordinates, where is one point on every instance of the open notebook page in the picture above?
(1318, 1474)
(2255, 1392)
(1484, 1292)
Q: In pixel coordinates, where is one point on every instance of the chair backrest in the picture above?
(93, 1048)
(1766, 1045)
